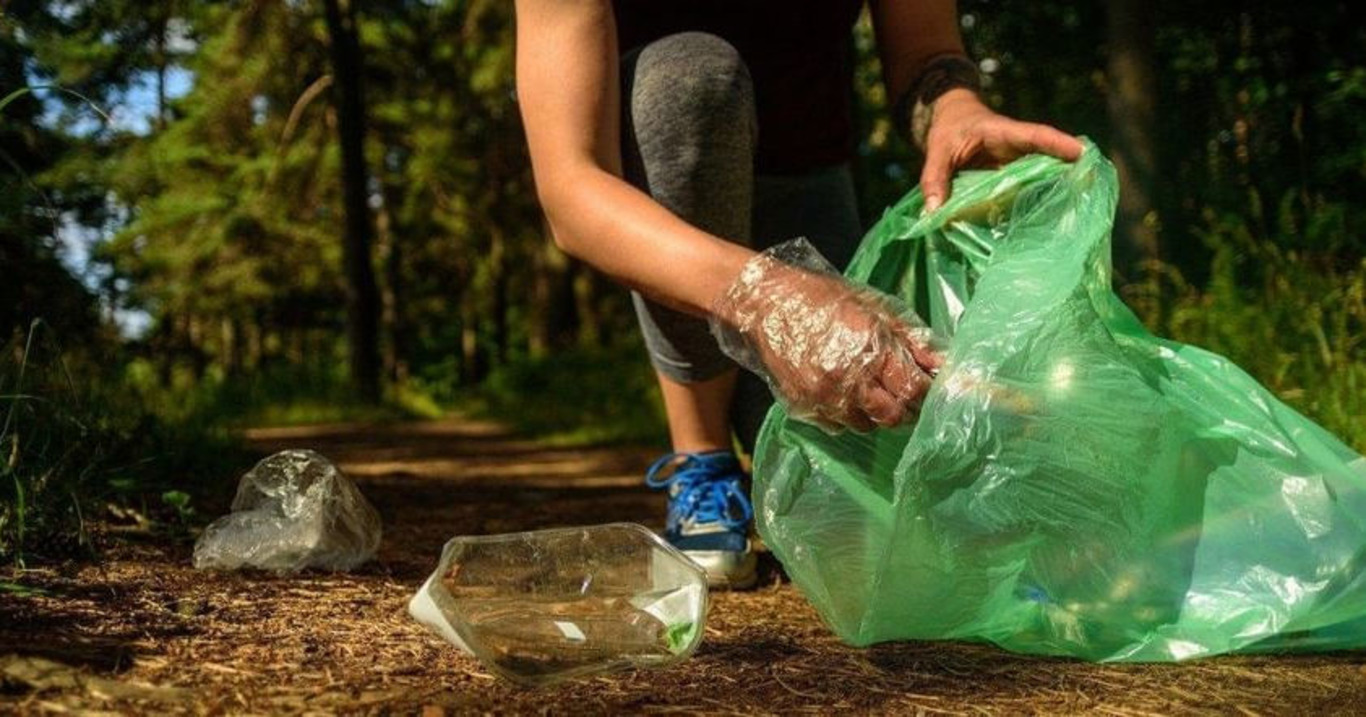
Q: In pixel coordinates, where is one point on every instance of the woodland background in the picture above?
(280, 211)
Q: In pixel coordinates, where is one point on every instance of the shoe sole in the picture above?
(727, 570)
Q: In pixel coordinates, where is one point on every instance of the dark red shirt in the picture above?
(799, 54)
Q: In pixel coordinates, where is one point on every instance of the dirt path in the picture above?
(143, 632)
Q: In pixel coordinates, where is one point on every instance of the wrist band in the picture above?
(915, 108)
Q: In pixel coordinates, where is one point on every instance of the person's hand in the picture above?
(964, 132)
(835, 354)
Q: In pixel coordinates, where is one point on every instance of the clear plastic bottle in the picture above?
(549, 605)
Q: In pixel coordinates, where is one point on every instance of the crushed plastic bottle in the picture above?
(544, 606)
(293, 510)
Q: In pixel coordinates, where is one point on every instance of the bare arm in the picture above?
(963, 132)
(570, 98)
(909, 33)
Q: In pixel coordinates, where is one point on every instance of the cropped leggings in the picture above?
(688, 140)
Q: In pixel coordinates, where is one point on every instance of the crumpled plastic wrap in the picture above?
(834, 353)
(1074, 485)
(293, 510)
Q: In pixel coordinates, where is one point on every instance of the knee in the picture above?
(691, 80)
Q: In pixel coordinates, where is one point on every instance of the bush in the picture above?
(580, 396)
(277, 395)
(1294, 318)
(74, 441)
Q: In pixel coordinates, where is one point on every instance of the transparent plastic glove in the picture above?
(834, 353)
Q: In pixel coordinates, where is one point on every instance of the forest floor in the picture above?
(143, 632)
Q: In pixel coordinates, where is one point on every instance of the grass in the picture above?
(1294, 319)
(280, 395)
(576, 397)
(21, 590)
(74, 443)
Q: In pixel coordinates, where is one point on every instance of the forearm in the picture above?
(570, 100)
(910, 33)
(601, 219)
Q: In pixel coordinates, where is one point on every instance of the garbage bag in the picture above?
(1074, 485)
(293, 510)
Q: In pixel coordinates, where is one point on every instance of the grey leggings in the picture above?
(688, 140)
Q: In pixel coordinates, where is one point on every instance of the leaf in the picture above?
(179, 500)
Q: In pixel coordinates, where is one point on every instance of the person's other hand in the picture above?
(836, 354)
(965, 133)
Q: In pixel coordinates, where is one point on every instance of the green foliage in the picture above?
(578, 397)
(286, 394)
(1255, 103)
(73, 442)
(1294, 319)
(179, 501)
(32, 278)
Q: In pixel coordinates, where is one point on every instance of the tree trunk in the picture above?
(194, 333)
(162, 22)
(586, 297)
(1132, 91)
(471, 360)
(391, 262)
(499, 309)
(255, 342)
(553, 315)
(1305, 55)
(230, 353)
(361, 291)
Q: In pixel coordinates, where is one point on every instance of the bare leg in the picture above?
(698, 413)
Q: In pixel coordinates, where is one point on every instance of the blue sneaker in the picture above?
(709, 514)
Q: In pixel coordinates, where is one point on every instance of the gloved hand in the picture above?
(835, 354)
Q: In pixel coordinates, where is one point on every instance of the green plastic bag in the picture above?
(1074, 485)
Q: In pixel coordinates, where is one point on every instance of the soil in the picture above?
(141, 631)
